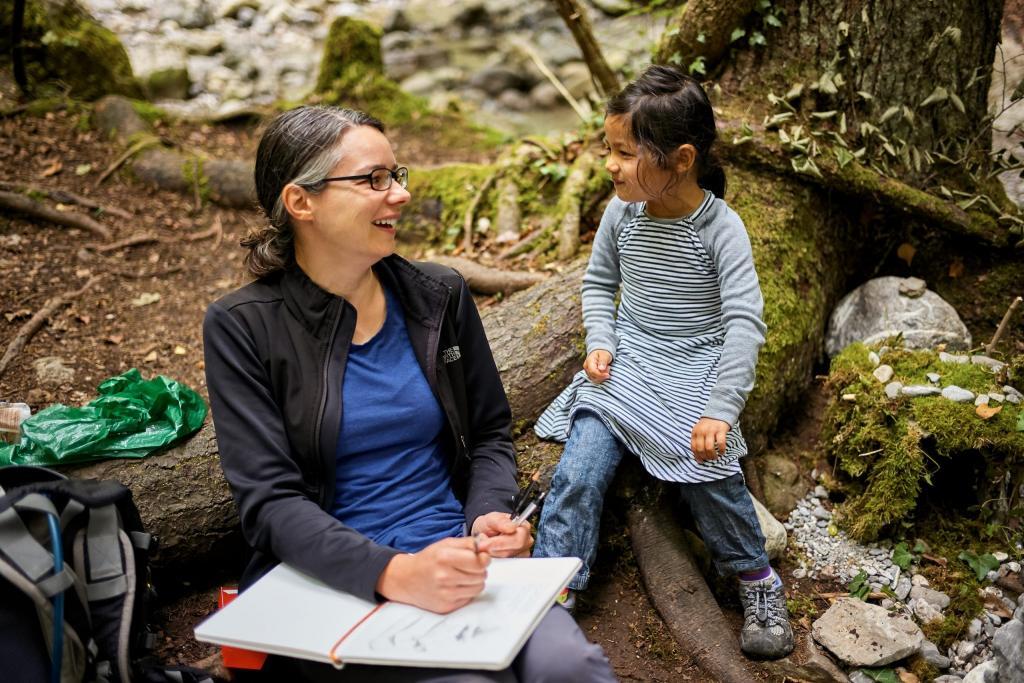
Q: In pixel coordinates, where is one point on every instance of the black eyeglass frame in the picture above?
(400, 174)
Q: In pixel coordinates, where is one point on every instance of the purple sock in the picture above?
(756, 575)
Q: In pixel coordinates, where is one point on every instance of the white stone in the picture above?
(937, 598)
(883, 373)
(958, 394)
(892, 389)
(985, 672)
(1013, 567)
(1013, 398)
(861, 634)
(981, 400)
(933, 377)
(957, 358)
(990, 363)
(1000, 556)
(925, 611)
(774, 532)
(997, 397)
(920, 390)
(874, 359)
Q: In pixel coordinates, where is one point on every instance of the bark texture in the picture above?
(702, 28)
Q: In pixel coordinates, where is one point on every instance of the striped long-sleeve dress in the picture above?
(684, 340)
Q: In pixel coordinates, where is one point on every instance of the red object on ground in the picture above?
(236, 657)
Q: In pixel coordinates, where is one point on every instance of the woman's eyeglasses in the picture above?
(380, 178)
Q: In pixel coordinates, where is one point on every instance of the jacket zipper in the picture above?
(432, 358)
(323, 398)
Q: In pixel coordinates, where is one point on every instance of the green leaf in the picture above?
(881, 675)
(865, 95)
(823, 115)
(701, 38)
(827, 85)
(843, 156)
(889, 113)
(858, 586)
(736, 34)
(981, 565)
(698, 67)
(675, 58)
(757, 38)
(772, 20)
(901, 557)
(890, 149)
(940, 94)
(957, 102)
(795, 92)
(842, 123)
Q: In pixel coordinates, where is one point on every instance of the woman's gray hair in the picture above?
(300, 146)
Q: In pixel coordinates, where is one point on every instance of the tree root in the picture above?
(135, 148)
(65, 197)
(485, 280)
(470, 218)
(22, 204)
(38, 319)
(681, 595)
(507, 216)
(569, 205)
(858, 180)
(703, 28)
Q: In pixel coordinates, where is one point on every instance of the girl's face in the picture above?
(627, 167)
(349, 216)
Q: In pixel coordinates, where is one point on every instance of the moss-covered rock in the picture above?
(440, 197)
(62, 42)
(171, 83)
(892, 449)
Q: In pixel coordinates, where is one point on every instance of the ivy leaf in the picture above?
(881, 675)
(865, 95)
(940, 94)
(842, 123)
(698, 67)
(736, 34)
(957, 102)
(797, 90)
(981, 565)
(701, 38)
(901, 557)
(823, 114)
(827, 85)
(772, 20)
(858, 586)
(757, 38)
(843, 157)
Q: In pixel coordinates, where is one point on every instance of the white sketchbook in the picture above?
(289, 613)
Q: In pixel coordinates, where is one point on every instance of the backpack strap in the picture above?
(30, 556)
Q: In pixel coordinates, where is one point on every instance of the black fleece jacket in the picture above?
(275, 359)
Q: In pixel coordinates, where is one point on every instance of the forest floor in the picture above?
(146, 312)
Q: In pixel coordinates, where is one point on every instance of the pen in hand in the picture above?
(529, 509)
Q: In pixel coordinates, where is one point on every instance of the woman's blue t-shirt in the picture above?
(392, 479)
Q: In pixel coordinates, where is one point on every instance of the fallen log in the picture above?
(19, 203)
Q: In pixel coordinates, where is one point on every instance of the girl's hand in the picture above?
(708, 438)
(597, 365)
(442, 577)
(498, 536)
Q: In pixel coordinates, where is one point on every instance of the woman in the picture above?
(360, 418)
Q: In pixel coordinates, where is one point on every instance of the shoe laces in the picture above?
(764, 604)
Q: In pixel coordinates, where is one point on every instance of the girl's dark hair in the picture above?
(667, 108)
(300, 146)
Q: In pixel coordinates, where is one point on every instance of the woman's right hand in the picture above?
(441, 578)
(598, 365)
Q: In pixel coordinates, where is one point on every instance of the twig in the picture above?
(469, 219)
(543, 68)
(143, 274)
(14, 111)
(65, 197)
(132, 241)
(128, 154)
(215, 230)
(524, 245)
(1002, 326)
(22, 204)
(36, 322)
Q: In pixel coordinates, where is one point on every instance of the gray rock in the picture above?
(859, 676)
(986, 672)
(1008, 647)
(913, 287)
(875, 311)
(861, 634)
(874, 359)
(612, 8)
(774, 532)
(990, 363)
(1013, 398)
(958, 394)
(933, 377)
(1013, 567)
(957, 358)
(920, 390)
(919, 580)
(883, 373)
(925, 611)
(821, 492)
(930, 653)
(902, 589)
(893, 389)
(948, 679)
(995, 396)
(494, 80)
(965, 648)
(51, 371)
(936, 598)
(981, 400)
(821, 513)
(974, 629)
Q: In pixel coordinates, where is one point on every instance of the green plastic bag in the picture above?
(131, 418)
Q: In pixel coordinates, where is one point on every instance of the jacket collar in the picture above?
(422, 296)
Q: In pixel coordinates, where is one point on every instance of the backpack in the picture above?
(74, 554)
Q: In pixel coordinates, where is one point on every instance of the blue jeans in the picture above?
(570, 520)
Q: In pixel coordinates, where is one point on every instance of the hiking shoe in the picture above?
(766, 631)
(567, 599)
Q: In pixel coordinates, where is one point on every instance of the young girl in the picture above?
(667, 376)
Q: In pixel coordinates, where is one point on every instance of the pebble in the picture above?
(1000, 556)
(902, 589)
(958, 394)
(1013, 567)
(920, 390)
(892, 389)
(957, 358)
(933, 377)
(919, 580)
(820, 491)
(1012, 398)
(930, 653)
(998, 398)
(964, 649)
(821, 513)
(981, 400)
(948, 678)
(990, 363)
(883, 373)
(875, 359)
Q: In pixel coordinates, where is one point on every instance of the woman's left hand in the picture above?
(500, 537)
(708, 438)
